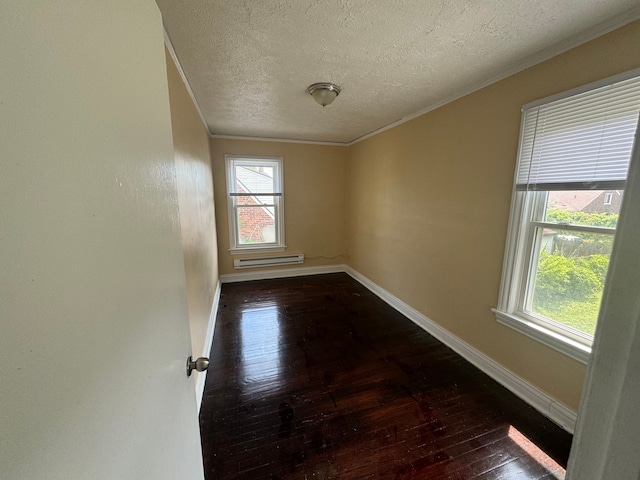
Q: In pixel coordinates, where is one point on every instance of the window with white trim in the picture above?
(574, 149)
(255, 202)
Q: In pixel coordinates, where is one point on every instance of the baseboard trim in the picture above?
(550, 408)
(281, 273)
(208, 341)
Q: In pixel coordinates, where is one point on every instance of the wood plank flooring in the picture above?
(317, 378)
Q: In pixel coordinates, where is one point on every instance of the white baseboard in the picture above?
(550, 408)
(208, 341)
(281, 273)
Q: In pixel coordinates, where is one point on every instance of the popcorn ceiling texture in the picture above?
(249, 62)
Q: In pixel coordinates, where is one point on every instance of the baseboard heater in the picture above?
(268, 261)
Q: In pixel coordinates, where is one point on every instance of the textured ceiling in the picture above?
(249, 62)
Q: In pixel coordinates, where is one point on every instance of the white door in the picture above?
(93, 317)
(606, 443)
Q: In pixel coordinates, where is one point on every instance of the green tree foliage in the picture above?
(582, 218)
(562, 279)
(569, 289)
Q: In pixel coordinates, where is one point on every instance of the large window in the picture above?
(573, 159)
(254, 187)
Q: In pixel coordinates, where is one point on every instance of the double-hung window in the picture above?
(574, 154)
(255, 201)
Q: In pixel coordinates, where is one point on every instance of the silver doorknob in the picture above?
(200, 365)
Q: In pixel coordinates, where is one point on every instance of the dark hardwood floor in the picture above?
(317, 378)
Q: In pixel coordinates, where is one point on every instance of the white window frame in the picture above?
(608, 198)
(521, 255)
(231, 161)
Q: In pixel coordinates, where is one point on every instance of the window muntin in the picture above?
(254, 186)
(572, 165)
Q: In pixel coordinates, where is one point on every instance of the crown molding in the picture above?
(176, 61)
(279, 140)
(599, 30)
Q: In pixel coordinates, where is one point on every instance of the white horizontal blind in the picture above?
(580, 142)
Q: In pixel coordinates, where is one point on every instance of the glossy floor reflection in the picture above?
(261, 363)
(316, 378)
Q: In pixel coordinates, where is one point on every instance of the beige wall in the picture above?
(428, 206)
(197, 215)
(314, 198)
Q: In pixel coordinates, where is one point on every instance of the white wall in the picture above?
(93, 312)
(607, 440)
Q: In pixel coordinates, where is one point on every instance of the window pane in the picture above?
(254, 179)
(595, 208)
(569, 277)
(256, 225)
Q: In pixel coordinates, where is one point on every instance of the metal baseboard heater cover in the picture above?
(268, 261)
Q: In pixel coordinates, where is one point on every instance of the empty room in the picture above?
(320, 239)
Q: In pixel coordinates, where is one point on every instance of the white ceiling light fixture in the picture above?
(324, 92)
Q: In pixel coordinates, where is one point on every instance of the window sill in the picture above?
(552, 339)
(269, 249)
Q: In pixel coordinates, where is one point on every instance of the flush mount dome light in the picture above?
(324, 93)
